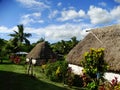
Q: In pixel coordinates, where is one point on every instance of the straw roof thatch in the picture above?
(40, 52)
(110, 37)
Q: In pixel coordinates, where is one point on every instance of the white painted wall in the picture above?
(108, 75)
(76, 69)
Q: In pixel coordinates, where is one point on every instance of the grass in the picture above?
(15, 81)
(14, 77)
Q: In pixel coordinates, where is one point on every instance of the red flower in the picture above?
(114, 81)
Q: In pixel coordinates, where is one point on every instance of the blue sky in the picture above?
(55, 20)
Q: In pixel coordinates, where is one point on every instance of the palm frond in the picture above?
(27, 34)
(27, 41)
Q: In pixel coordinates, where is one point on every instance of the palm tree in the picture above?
(20, 37)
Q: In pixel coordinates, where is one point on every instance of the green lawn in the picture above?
(14, 77)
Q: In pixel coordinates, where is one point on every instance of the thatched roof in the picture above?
(110, 36)
(41, 51)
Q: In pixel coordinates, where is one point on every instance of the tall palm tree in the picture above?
(20, 37)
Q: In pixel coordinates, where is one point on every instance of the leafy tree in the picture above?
(74, 41)
(2, 46)
(40, 40)
(2, 42)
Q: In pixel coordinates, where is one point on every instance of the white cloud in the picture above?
(33, 4)
(36, 14)
(98, 15)
(53, 14)
(116, 12)
(4, 29)
(40, 21)
(31, 18)
(53, 33)
(71, 14)
(60, 32)
(102, 4)
(118, 1)
(81, 13)
(77, 20)
(59, 4)
(102, 16)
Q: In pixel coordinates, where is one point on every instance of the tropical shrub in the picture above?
(92, 85)
(73, 80)
(56, 71)
(94, 66)
(77, 81)
(69, 76)
(112, 85)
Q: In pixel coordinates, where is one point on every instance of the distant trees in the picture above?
(74, 41)
(63, 47)
(2, 44)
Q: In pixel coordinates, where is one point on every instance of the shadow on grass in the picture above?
(15, 81)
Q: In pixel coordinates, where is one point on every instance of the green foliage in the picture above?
(117, 87)
(63, 47)
(19, 38)
(73, 80)
(94, 65)
(77, 81)
(14, 77)
(92, 86)
(94, 62)
(3, 51)
(56, 71)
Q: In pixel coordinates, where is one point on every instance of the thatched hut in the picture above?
(110, 40)
(42, 53)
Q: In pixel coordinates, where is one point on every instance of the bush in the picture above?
(77, 81)
(73, 80)
(94, 66)
(56, 71)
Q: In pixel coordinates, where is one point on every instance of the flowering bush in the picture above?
(112, 85)
(56, 71)
(94, 66)
(15, 59)
(114, 81)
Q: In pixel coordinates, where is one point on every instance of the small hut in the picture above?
(110, 38)
(42, 53)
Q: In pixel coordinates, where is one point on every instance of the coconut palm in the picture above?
(20, 37)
